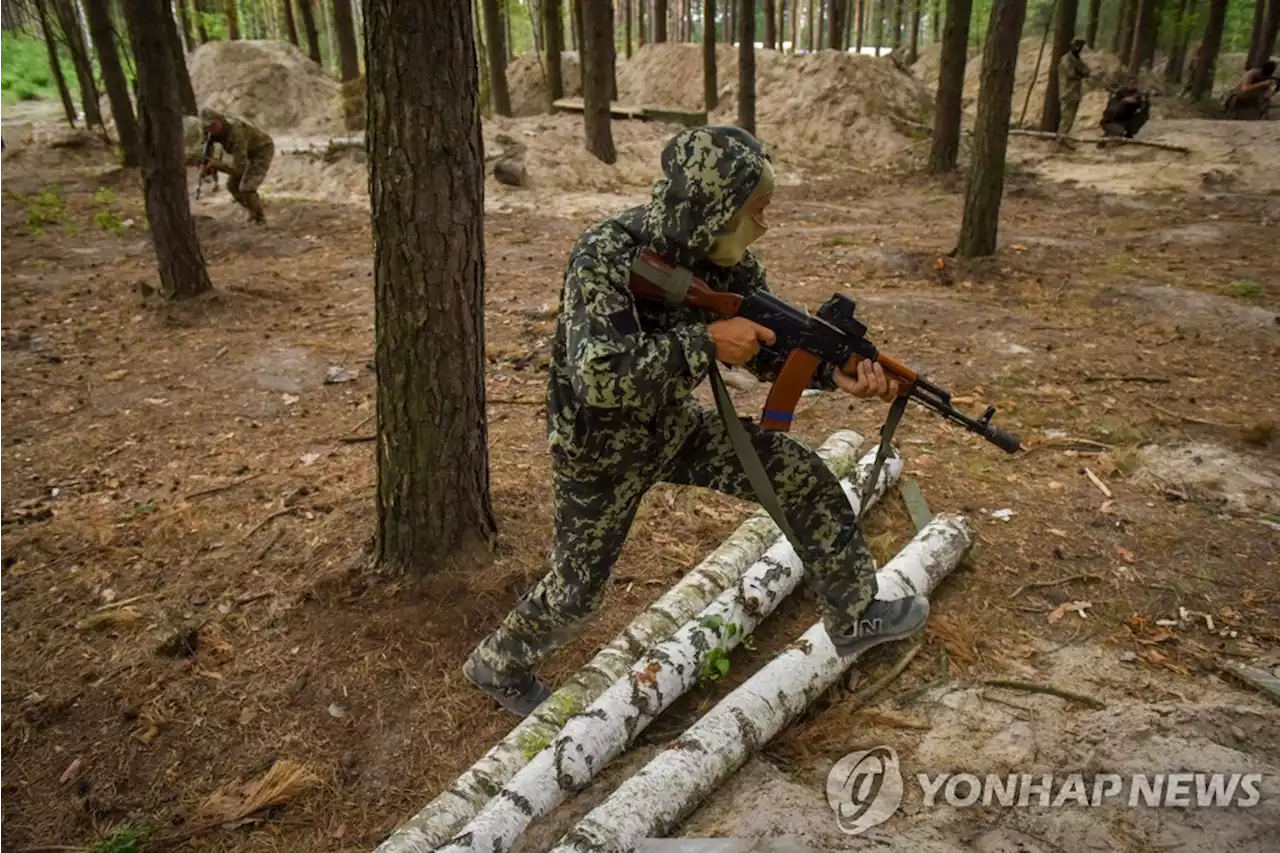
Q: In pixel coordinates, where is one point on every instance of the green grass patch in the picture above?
(109, 221)
(124, 839)
(26, 75)
(1246, 289)
(46, 208)
(840, 240)
(104, 196)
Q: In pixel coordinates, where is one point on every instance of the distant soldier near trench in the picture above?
(1072, 72)
(251, 150)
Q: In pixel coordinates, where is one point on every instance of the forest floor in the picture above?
(185, 486)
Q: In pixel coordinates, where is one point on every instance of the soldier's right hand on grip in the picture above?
(738, 339)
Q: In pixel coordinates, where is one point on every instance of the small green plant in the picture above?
(123, 839)
(47, 208)
(840, 240)
(109, 221)
(716, 666)
(104, 196)
(1246, 289)
(711, 623)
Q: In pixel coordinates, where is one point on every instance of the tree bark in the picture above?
(313, 35)
(770, 24)
(877, 12)
(553, 44)
(1142, 23)
(897, 24)
(233, 19)
(1091, 29)
(626, 11)
(747, 65)
(113, 79)
(1255, 33)
(597, 59)
(575, 18)
(495, 47)
(710, 87)
(291, 28)
(426, 178)
(73, 37)
(659, 20)
(1177, 56)
(822, 24)
(813, 26)
(1151, 35)
(184, 14)
(949, 104)
(913, 40)
(795, 25)
(164, 170)
(642, 35)
(1270, 30)
(1202, 83)
(344, 25)
(1062, 38)
(51, 47)
(985, 184)
(936, 20)
(186, 94)
(1124, 29)
(201, 31)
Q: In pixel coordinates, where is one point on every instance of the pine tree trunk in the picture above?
(426, 178)
(626, 11)
(642, 36)
(186, 94)
(553, 44)
(935, 20)
(1271, 28)
(1151, 36)
(813, 26)
(1202, 83)
(1177, 48)
(201, 31)
(185, 14)
(860, 26)
(74, 40)
(897, 24)
(51, 47)
(164, 170)
(782, 24)
(1062, 38)
(1091, 30)
(113, 79)
(345, 28)
(710, 88)
(313, 35)
(597, 62)
(291, 28)
(1142, 23)
(659, 20)
(913, 40)
(1255, 33)
(575, 10)
(795, 25)
(985, 186)
(495, 47)
(879, 16)
(949, 104)
(233, 19)
(1124, 29)
(822, 25)
(747, 65)
(770, 24)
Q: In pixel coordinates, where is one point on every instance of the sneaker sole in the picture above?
(858, 646)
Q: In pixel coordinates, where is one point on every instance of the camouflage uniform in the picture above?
(1071, 76)
(621, 415)
(251, 149)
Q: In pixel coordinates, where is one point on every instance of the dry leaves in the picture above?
(1078, 607)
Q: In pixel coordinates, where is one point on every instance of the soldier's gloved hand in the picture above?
(866, 379)
(738, 339)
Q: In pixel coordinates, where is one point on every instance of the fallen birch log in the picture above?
(590, 740)
(436, 823)
(653, 802)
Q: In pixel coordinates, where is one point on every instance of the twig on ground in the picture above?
(1030, 687)
(1080, 445)
(1113, 378)
(1102, 487)
(257, 596)
(213, 490)
(1105, 140)
(1083, 576)
(865, 694)
(122, 602)
(270, 518)
(356, 439)
(271, 543)
(1193, 420)
(944, 675)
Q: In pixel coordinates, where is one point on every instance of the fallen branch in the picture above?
(1029, 687)
(1110, 378)
(440, 819)
(943, 676)
(1084, 576)
(268, 520)
(1105, 140)
(674, 783)
(1102, 487)
(124, 601)
(1193, 420)
(870, 691)
(213, 490)
(357, 439)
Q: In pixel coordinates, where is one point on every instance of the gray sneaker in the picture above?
(520, 695)
(883, 622)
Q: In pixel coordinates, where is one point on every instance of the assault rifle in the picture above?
(206, 157)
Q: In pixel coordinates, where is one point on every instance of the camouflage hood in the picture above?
(709, 173)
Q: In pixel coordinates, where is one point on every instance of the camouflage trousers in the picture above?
(594, 510)
(244, 186)
(1070, 103)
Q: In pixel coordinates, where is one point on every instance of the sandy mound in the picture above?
(527, 82)
(271, 83)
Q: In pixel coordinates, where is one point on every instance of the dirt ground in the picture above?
(184, 488)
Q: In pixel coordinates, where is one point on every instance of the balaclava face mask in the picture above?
(746, 226)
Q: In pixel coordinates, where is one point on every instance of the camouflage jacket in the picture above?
(622, 369)
(242, 140)
(1072, 73)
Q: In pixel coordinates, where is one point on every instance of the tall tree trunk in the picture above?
(813, 27)
(186, 94)
(426, 178)
(1151, 36)
(346, 32)
(51, 47)
(822, 24)
(291, 28)
(770, 24)
(1202, 83)
(935, 20)
(795, 25)
(1177, 55)
(233, 19)
(949, 104)
(861, 29)
(985, 186)
(73, 37)
(1062, 38)
(202, 32)
(659, 20)
(879, 14)
(113, 80)
(553, 44)
(1124, 29)
(626, 11)
(164, 169)
(782, 24)
(710, 88)
(1271, 29)
(575, 18)
(913, 40)
(597, 59)
(1091, 29)
(1255, 33)
(184, 14)
(747, 65)
(494, 39)
(897, 24)
(309, 27)
(642, 35)
(1142, 23)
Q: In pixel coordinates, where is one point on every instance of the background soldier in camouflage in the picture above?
(251, 149)
(621, 416)
(1071, 76)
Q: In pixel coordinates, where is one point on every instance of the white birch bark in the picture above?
(441, 818)
(653, 801)
(590, 740)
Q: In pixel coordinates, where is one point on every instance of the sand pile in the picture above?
(271, 83)
(527, 82)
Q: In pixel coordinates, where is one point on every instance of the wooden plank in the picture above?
(631, 111)
(917, 506)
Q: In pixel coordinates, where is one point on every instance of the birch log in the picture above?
(443, 816)
(590, 740)
(653, 802)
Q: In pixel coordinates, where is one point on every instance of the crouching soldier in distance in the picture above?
(251, 149)
(622, 416)
(1128, 109)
